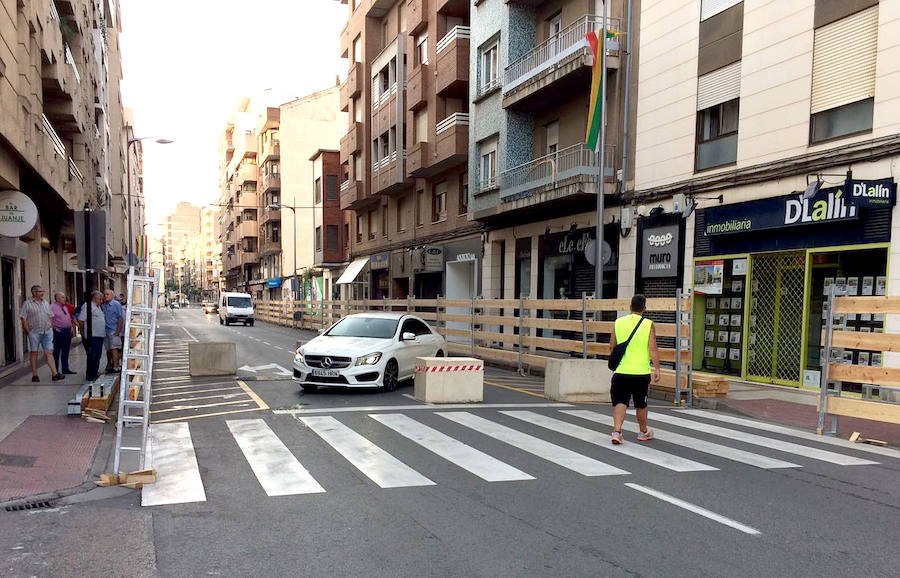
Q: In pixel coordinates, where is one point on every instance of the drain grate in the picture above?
(30, 506)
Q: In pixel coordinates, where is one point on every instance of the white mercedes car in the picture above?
(366, 350)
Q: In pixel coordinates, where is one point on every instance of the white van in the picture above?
(235, 308)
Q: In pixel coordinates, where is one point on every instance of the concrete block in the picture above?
(577, 380)
(449, 380)
(212, 358)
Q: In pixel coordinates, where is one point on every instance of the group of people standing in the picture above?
(50, 328)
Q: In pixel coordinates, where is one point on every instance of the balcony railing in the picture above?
(380, 164)
(574, 161)
(74, 173)
(345, 185)
(547, 54)
(457, 118)
(70, 60)
(51, 133)
(455, 32)
(54, 13)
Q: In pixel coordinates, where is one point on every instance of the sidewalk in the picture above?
(793, 407)
(42, 450)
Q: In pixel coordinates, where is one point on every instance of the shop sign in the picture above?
(273, 283)
(70, 263)
(659, 253)
(18, 214)
(708, 277)
(428, 259)
(466, 257)
(380, 261)
(827, 206)
(881, 193)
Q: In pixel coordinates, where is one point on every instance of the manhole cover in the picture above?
(16, 460)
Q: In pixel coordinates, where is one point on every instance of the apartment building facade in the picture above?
(269, 187)
(210, 251)
(331, 225)
(533, 182)
(178, 229)
(768, 133)
(404, 154)
(62, 148)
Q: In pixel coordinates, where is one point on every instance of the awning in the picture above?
(352, 271)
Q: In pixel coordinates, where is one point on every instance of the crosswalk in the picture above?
(369, 440)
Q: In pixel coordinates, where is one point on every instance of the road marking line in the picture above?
(190, 407)
(267, 343)
(189, 333)
(171, 454)
(412, 397)
(252, 394)
(792, 432)
(662, 459)
(468, 458)
(693, 443)
(533, 445)
(276, 468)
(518, 389)
(198, 416)
(181, 399)
(694, 508)
(378, 465)
(775, 444)
(370, 408)
(197, 391)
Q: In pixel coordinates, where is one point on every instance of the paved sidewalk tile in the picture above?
(46, 453)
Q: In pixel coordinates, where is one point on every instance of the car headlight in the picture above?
(370, 359)
(298, 356)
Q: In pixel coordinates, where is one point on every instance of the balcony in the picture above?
(418, 159)
(246, 174)
(249, 258)
(247, 200)
(452, 144)
(247, 229)
(453, 7)
(271, 182)
(270, 247)
(352, 86)
(246, 143)
(352, 141)
(416, 15)
(232, 261)
(389, 174)
(271, 151)
(267, 214)
(556, 175)
(353, 195)
(453, 63)
(562, 62)
(417, 87)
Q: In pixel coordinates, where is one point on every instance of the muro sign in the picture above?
(18, 214)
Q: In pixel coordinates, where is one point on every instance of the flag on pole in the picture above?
(595, 110)
(142, 248)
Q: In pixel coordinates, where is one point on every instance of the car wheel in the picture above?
(227, 322)
(251, 324)
(391, 376)
(309, 387)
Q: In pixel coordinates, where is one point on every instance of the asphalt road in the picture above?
(337, 483)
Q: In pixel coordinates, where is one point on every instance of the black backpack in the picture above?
(618, 352)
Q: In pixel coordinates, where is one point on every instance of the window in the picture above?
(463, 193)
(384, 221)
(359, 236)
(346, 234)
(421, 56)
(489, 67)
(420, 125)
(401, 214)
(318, 239)
(357, 168)
(439, 202)
(842, 121)
(392, 139)
(488, 166)
(717, 128)
(420, 208)
(331, 238)
(551, 132)
(372, 224)
(415, 327)
(331, 188)
(384, 33)
(357, 110)
(317, 191)
(357, 47)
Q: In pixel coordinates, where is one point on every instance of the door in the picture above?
(408, 351)
(7, 278)
(460, 285)
(554, 27)
(775, 324)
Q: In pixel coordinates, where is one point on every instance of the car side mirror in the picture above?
(408, 336)
(322, 331)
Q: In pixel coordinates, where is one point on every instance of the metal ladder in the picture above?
(143, 292)
(684, 318)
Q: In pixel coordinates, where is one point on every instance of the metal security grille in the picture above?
(776, 317)
(661, 287)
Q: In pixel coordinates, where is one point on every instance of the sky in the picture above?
(186, 62)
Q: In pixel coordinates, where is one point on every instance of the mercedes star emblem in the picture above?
(326, 362)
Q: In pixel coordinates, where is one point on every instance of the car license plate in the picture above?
(325, 372)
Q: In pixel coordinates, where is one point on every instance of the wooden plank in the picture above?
(498, 303)
(870, 341)
(553, 304)
(455, 332)
(871, 304)
(864, 374)
(863, 409)
(456, 318)
(424, 302)
(466, 303)
(426, 316)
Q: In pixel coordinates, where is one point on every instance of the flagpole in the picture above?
(598, 274)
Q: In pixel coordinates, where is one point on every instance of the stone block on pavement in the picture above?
(449, 380)
(577, 380)
(212, 358)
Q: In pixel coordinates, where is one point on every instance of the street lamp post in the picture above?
(278, 207)
(128, 144)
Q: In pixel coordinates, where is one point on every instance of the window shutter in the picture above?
(719, 86)
(844, 61)
(710, 8)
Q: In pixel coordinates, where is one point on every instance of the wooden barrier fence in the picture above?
(878, 383)
(523, 333)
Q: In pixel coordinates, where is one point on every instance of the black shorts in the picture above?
(625, 387)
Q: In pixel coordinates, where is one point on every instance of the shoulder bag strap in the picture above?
(633, 331)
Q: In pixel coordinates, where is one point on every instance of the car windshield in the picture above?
(375, 327)
(239, 302)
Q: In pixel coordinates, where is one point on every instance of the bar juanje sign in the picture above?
(827, 206)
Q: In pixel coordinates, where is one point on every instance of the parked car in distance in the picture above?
(210, 307)
(235, 308)
(366, 350)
